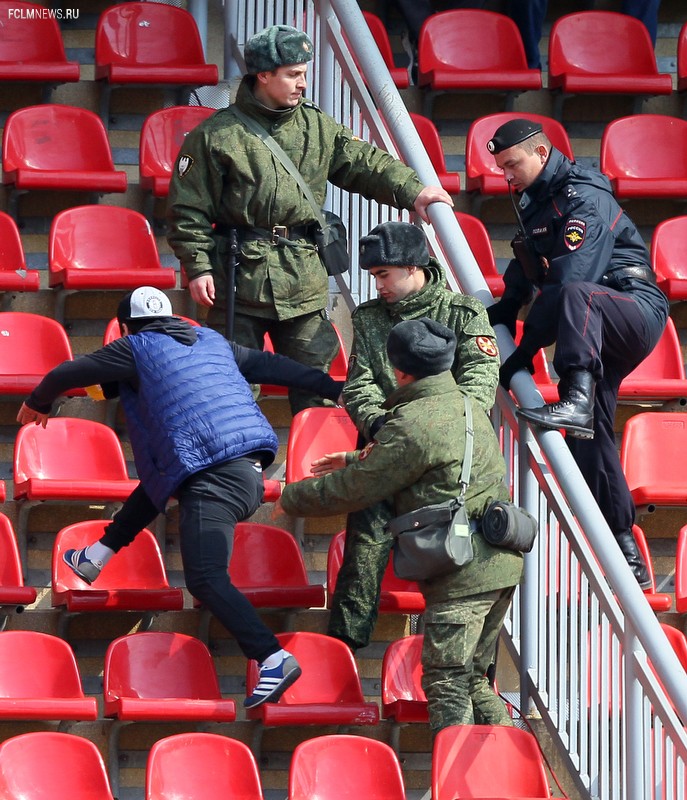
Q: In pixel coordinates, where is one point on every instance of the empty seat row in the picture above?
(137, 44)
(205, 766)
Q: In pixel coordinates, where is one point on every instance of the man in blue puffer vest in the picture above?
(198, 435)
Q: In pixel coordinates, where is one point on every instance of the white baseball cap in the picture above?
(144, 302)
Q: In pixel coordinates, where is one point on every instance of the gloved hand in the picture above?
(505, 312)
(517, 360)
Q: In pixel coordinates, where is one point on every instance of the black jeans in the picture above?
(211, 502)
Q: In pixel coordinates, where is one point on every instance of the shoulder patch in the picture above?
(365, 452)
(487, 345)
(574, 233)
(184, 164)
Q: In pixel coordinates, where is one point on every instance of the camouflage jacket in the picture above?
(225, 175)
(370, 375)
(416, 461)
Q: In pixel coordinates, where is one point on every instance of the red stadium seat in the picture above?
(472, 50)
(49, 765)
(403, 698)
(678, 641)
(681, 571)
(487, 761)
(603, 52)
(112, 328)
(201, 766)
(481, 173)
(162, 135)
(659, 601)
(645, 155)
(652, 456)
(31, 48)
(72, 460)
(399, 75)
(101, 247)
(398, 596)
(314, 432)
(14, 595)
(133, 580)
(39, 679)
(435, 150)
(14, 276)
(161, 677)
(337, 370)
(30, 346)
(58, 148)
(149, 45)
(368, 769)
(669, 257)
(478, 239)
(682, 59)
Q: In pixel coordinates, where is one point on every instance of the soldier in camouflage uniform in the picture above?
(405, 292)
(225, 177)
(416, 459)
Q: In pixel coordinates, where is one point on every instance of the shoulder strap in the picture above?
(469, 442)
(281, 156)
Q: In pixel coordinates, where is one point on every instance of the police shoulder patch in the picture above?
(574, 233)
(487, 345)
(184, 164)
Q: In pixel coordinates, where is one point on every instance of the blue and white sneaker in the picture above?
(87, 569)
(272, 683)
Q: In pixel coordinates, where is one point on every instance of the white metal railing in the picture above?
(592, 657)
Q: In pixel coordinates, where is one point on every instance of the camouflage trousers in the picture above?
(355, 604)
(309, 339)
(459, 646)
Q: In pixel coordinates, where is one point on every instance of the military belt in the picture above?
(278, 234)
(620, 278)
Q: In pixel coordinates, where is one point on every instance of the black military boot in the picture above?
(574, 412)
(628, 546)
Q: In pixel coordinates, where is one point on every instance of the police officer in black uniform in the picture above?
(586, 266)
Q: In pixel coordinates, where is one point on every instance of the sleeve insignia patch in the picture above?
(365, 452)
(487, 345)
(574, 233)
(184, 165)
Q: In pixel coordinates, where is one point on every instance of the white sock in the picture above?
(275, 659)
(99, 552)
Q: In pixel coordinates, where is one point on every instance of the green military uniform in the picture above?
(417, 460)
(370, 380)
(226, 177)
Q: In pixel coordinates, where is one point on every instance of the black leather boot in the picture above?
(574, 412)
(628, 546)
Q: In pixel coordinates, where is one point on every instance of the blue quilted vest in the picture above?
(193, 409)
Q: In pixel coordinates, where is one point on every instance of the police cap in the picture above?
(276, 46)
(511, 133)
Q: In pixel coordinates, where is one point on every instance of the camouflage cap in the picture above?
(394, 244)
(276, 46)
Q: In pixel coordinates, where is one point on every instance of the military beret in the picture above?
(276, 46)
(511, 133)
(421, 347)
(394, 244)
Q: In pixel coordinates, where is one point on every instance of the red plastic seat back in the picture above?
(478, 239)
(69, 449)
(102, 237)
(669, 250)
(487, 761)
(12, 256)
(159, 665)
(148, 34)
(314, 432)
(664, 361)
(341, 766)
(381, 37)
(470, 39)
(681, 571)
(600, 43)
(162, 135)
(645, 146)
(55, 138)
(479, 161)
(45, 765)
(37, 665)
(190, 766)
(682, 59)
(29, 35)
(30, 346)
(678, 642)
(402, 671)
(330, 674)
(652, 450)
(266, 556)
(137, 566)
(431, 140)
(10, 563)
